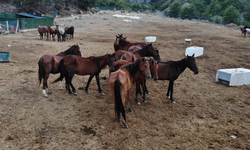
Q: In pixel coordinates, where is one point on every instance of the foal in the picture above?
(120, 83)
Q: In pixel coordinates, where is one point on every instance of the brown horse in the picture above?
(92, 66)
(148, 50)
(52, 31)
(122, 43)
(139, 78)
(43, 30)
(50, 64)
(171, 70)
(119, 53)
(120, 83)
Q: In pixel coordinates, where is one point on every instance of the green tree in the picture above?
(175, 9)
(231, 15)
(200, 6)
(187, 11)
(121, 4)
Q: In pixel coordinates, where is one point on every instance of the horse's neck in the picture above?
(100, 61)
(67, 52)
(180, 65)
(132, 68)
(142, 52)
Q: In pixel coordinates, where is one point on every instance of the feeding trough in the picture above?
(197, 51)
(150, 39)
(233, 77)
(4, 56)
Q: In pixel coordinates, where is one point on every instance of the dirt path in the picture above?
(206, 116)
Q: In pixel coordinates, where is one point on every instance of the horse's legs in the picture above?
(45, 84)
(144, 91)
(137, 91)
(129, 100)
(87, 86)
(98, 83)
(171, 89)
(61, 87)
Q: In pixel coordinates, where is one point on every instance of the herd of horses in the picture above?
(51, 32)
(244, 30)
(131, 62)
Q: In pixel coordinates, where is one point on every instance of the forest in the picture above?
(217, 11)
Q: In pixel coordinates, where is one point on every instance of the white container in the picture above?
(188, 42)
(150, 39)
(234, 76)
(197, 51)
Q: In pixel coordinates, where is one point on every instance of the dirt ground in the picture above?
(206, 115)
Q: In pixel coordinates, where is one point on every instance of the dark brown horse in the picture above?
(139, 78)
(70, 31)
(122, 43)
(171, 70)
(71, 65)
(119, 53)
(50, 64)
(148, 50)
(120, 83)
(43, 30)
(52, 32)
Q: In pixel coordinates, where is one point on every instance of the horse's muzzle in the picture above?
(148, 76)
(196, 72)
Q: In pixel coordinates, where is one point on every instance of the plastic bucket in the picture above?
(4, 56)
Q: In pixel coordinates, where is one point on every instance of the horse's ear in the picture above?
(113, 54)
(117, 36)
(193, 55)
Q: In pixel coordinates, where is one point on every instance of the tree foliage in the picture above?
(175, 9)
(231, 15)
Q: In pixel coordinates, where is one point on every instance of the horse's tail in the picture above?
(63, 72)
(41, 71)
(118, 100)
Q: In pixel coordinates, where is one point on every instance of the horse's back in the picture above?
(123, 76)
(120, 63)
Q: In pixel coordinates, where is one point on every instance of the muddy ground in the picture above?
(206, 115)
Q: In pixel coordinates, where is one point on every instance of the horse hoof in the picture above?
(61, 88)
(75, 93)
(139, 103)
(148, 93)
(130, 110)
(125, 126)
(87, 92)
(45, 96)
(144, 101)
(173, 102)
(101, 93)
(168, 97)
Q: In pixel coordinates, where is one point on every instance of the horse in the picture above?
(139, 78)
(148, 50)
(122, 43)
(71, 65)
(60, 34)
(43, 30)
(50, 64)
(120, 83)
(119, 53)
(52, 32)
(171, 70)
(117, 41)
(244, 31)
(70, 31)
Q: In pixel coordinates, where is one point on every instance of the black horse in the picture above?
(171, 70)
(70, 31)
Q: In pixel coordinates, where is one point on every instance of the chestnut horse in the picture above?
(171, 70)
(146, 51)
(52, 31)
(43, 30)
(139, 78)
(122, 43)
(120, 83)
(71, 65)
(50, 64)
(70, 31)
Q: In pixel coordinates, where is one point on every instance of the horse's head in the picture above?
(153, 68)
(151, 51)
(144, 67)
(117, 42)
(110, 59)
(191, 64)
(75, 50)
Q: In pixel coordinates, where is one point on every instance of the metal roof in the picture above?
(29, 15)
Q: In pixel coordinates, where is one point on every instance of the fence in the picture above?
(9, 27)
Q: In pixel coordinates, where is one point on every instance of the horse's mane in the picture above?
(123, 42)
(68, 51)
(143, 50)
(133, 68)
